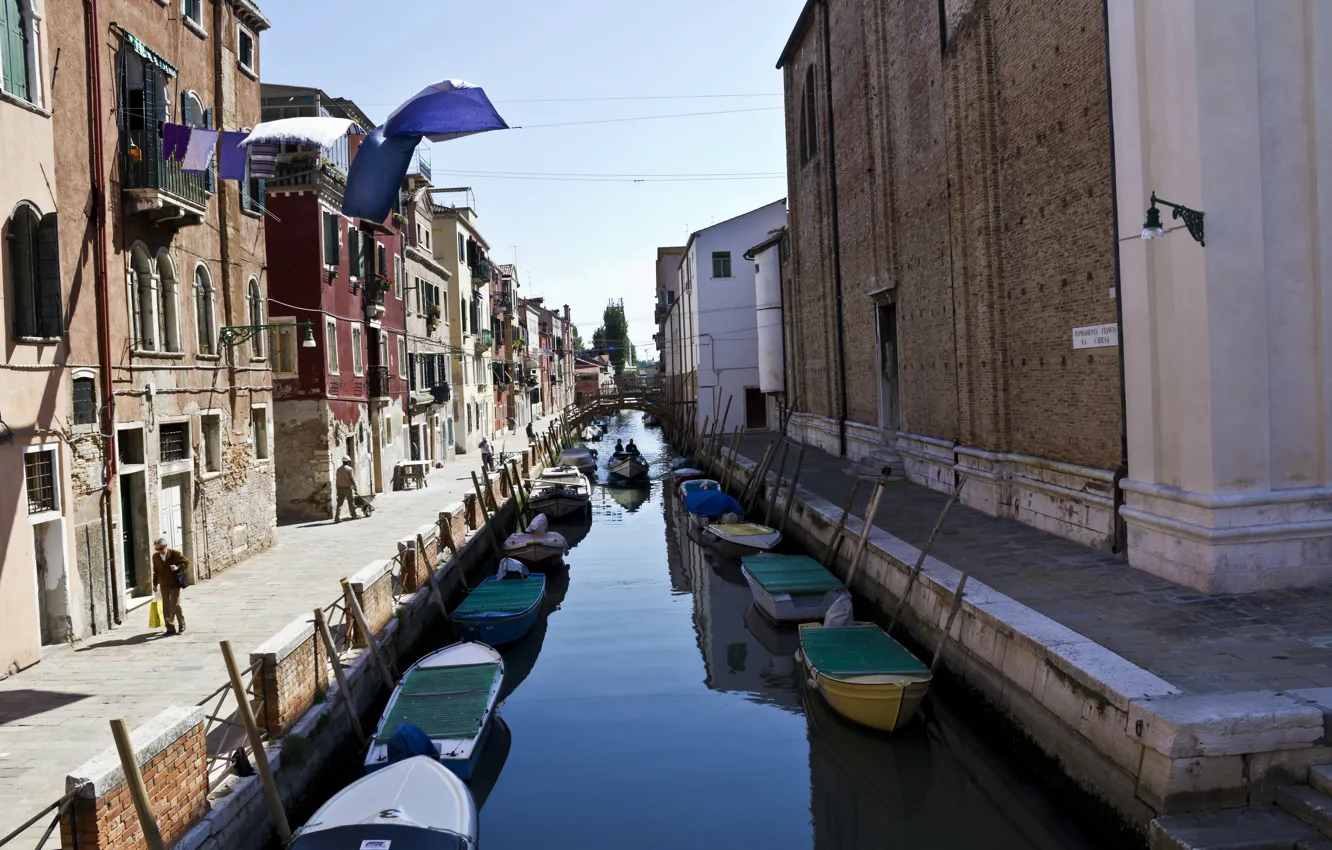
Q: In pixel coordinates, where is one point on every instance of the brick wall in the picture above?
(414, 575)
(172, 756)
(453, 522)
(293, 673)
(472, 511)
(373, 587)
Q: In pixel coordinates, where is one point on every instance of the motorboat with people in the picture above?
(537, 546)
(449, 695)
(740, 539)
(561, 491)
(791, 588)
(413, 803)
(581, 458)
(627, 466)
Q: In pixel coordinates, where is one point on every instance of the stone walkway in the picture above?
(54, 716)
(1278, 640)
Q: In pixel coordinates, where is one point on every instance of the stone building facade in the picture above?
(951, 224)
(425, 289)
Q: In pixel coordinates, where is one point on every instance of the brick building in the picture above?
(951, 223)
(345, 395)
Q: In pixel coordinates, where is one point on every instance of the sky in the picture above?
(577, 240)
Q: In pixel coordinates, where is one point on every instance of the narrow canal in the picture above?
(653, 707)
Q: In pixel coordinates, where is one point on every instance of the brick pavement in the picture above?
(54, 716)
(1276, 640)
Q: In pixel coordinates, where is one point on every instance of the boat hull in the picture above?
(627, 469)
(791, 608)
(884, 701)
(731, 548)
(537, 556)
(497, 630)
(558, 507)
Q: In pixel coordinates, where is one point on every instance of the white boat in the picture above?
(627, 466)
(412, 803)
(591, 433)
(582, 459)
(537, 546)
(791, 588)
(561, 491)
(450, 695)
(740, 539)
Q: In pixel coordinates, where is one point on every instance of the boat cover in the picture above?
(711, 503)
(397, 836)
(513, 596)
(410, 740)
(697, 484)
(447, 703)
(538, 525)
(858, 650)
(509, 568)
(798, 574)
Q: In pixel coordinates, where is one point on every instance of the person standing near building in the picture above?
(487, 455)
(531, 433)
(346, 481)
(166, 563)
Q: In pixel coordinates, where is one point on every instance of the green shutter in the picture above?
(14, 49)
(50, 322)
(186, 110)
(210, 177)
(331, 250)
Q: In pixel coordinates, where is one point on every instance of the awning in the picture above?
(147, 53)
(423, 399)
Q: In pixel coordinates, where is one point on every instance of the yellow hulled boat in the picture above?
(864, 674)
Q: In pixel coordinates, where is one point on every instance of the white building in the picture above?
(712, 328)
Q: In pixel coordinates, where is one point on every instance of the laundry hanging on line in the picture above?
(175, 140)
(231, 156)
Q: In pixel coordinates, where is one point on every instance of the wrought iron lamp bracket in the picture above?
(234, 335)
(1193, 219)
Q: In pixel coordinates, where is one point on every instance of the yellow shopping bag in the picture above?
(155, 614)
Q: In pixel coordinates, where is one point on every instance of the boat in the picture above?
(627, 466)
(686, 473)
(693, 485)
(560, 492)
(416, 802)
(680, 462)
(580, 458)
(707, 507)
(864, 674)
(591, 432)
(450, 695)
(791, 588)
(738, 539)
(500, 610)
(537, 546)
(650, 420)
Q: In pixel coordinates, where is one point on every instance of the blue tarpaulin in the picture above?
(712, 503)
(408, 741)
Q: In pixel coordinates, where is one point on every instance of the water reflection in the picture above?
(488, 768)
(631, 498)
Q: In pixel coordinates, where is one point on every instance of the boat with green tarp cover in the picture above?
(864, 674)
(499, 611)
(791, 588)
(449, 695)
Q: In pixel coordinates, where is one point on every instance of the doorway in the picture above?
(756, 409)
(48, 546)
(134, 533)
(171, 511)
(889, 401)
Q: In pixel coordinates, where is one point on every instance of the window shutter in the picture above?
(6, 75)
(353, 243)
(261, 188)
(330, 240)
(186, 111)
(50, 322)
(14, 50)
(210, 178)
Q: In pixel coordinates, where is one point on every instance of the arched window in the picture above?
(255, 297)
(18, 54)
(204, 324)
(85, 401)
(143, 299)
(192, 110)
(34, 272)
(168, 304)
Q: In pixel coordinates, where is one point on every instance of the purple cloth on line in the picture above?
(231, 157)
(175, 139)
(263, 159)
(199, 152)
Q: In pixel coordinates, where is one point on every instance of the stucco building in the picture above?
(667, 270)
(430, 422)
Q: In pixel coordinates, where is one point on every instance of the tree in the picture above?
(577, 339)
(613, 335)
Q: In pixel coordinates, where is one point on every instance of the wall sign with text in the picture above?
(1096, 336)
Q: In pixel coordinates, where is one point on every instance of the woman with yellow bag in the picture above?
(169, 575)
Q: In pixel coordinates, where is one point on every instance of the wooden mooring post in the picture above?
(344, 687)
(257, 747)
(129, 762)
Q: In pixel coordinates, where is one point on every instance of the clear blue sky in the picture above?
(578, 241)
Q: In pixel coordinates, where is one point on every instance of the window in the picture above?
(210, 426)
(17, 53)
(381, 260)
(204, 324)
(254, 197)
(721, 263)
(34, 264)
(245, 50)
(397, 276)
(332, 240)
(356, 350)
(353, 252)
(255, 304)
(284, 348)
(85, 401)
(259, 424)
(168, 318)
(462, 248)
(173, 442)
(809, 120)
(331, 343)
(39, 468)
(194, 11)
(402, 357)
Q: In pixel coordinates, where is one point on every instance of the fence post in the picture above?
(485, 515)
(354, 606)
(152, 836)
(344, 687)
(257, 747)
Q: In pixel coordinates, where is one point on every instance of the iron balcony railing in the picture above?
(481, 272)
(484, 339)
(146, 168)
(379, 382)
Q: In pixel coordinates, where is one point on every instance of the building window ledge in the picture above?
(247, 70)
(212, 357)
(195, 27)
(262, 461)
(174, 467)
(251, 213)
(44, 516)
(159, 355)
(23, 104)
(37, 340)
(209, 476)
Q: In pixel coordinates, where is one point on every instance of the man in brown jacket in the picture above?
(346, 482)
(166, 563)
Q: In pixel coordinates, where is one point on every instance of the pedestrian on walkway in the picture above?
(347, 490)
(513, 425)
(487, 455)
(531, 432)
(166, 563)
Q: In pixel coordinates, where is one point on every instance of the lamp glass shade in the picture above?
(1151, 228)
(309, 341)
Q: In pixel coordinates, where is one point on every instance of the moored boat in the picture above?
(627, 466)
(450, 695)
(707, 506)
(686, 473)
(538, 547)
(791, 588)
(580, 458)
(864, 674)
(694, 485)
(650, 420)
(500, 610)
(740, 539)
(560, 492)
(416, 802)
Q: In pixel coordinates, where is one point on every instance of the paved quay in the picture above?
(1277, 640)
(54, 715)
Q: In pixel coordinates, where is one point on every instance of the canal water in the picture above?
(654, 708)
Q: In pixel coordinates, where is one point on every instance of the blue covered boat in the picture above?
(500, 611)
(708, 506)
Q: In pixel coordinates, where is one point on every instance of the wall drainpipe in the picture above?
(103, 293)
(836, 229)
(1119, 533)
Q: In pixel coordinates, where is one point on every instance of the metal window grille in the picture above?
(85, 402)
(175, 443)
(39, 468)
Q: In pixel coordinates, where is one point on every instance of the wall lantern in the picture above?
(234, 335)
(1193, 220)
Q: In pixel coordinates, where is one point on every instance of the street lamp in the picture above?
(234, 335)
(1193, 220)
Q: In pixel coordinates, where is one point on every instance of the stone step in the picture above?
(1256, 828)
(1308, 804)
(1320, 777)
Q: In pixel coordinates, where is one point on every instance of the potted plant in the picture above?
(432, 316)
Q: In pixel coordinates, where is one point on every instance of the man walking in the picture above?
(487, 455)
(166, 563)
(346, 481)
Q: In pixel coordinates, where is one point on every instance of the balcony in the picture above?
(484, 340)
(481, 272)
(379, 381)
(155, 187)
(307, 171)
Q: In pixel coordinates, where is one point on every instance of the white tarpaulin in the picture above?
(317, 132)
